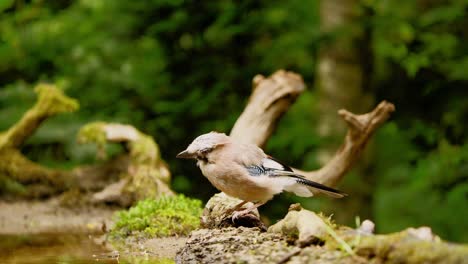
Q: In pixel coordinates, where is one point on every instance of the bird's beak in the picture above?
(185, 155)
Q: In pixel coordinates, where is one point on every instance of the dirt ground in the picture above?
(154, 248)
(52, 229)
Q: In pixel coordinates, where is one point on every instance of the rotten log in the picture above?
(146, 174)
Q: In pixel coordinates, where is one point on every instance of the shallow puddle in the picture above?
(54, 248)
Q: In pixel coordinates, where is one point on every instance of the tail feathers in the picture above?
(311, 185)
(322, 188)
(299, 190)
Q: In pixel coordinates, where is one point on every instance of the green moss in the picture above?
(148, 174)
(144, 149)
(93, 133)
(165, 216)
(53, 100)
(10, 186)
(404, 247)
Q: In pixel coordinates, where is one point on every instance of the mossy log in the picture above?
(30, 178)
(305, 237)
(134, 175)
(51, 101)
(146, 174)
(15, 169)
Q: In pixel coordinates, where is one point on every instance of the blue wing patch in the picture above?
(256, 170)
(269, 167)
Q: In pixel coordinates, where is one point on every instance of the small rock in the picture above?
(218, 214)
(367, 227)
(422, 233)
(308, 225)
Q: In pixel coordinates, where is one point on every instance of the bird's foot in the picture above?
(239, 214)
(245, 214)
(247, 218)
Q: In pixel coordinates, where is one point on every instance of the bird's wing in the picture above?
(273, 168)
(273, 163)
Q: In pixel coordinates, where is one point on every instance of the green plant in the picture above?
(166, 216)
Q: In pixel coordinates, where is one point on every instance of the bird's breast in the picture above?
(235, 182)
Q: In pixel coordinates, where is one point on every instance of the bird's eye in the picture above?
(205, 150)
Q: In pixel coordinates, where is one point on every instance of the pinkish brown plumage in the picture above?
(244, 171)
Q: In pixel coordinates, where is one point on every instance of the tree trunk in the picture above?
(343, 80)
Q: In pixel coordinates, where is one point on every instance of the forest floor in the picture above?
(52, 229)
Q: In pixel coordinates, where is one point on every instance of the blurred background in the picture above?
(177, 69)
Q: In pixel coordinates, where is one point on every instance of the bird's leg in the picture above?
(237, 207)
(238, 214)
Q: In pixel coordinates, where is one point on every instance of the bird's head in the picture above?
(203, 145)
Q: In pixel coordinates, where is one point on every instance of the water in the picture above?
(54, 248)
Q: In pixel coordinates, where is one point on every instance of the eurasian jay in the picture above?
(244, 171)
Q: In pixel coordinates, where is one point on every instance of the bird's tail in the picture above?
(315, 186)
(301, 182)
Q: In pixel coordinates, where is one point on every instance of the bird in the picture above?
(244, 171)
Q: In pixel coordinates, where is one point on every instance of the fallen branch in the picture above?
(272, 97)
(134, 175)
(360, 129)
(51, 101)
(146, 174)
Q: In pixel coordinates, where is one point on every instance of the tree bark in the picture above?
(270, 99)
(344, 68)
(344, 71)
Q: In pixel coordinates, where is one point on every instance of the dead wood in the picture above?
(360, 129)
(51, 101)
(271, 98)
(136, 174)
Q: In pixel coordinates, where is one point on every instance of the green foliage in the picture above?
(173, 69)
(166, 216)
(423, 36)
(176, 69)
(435, 183)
